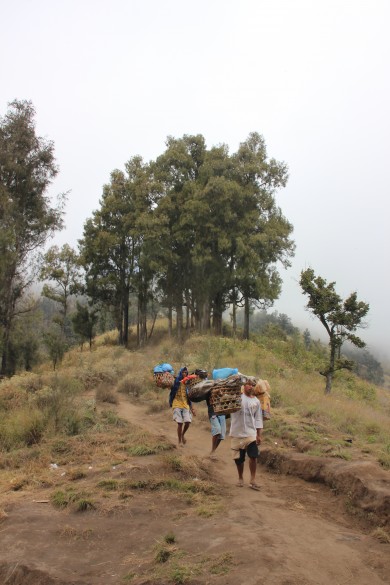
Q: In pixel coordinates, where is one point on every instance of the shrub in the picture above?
(170, 538)
(105, 393)
(129, 385)
(163, 553)
(23, 427)
(79, 501)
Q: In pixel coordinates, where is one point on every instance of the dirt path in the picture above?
(289, 533)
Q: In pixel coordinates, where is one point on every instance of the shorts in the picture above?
(218, 425)
(182, 415)
(244, 445)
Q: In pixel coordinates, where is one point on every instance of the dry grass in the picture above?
(73, 433)
(105, 393)
(381, 535)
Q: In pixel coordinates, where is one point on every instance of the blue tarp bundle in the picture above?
(224, 373)
(161, 368)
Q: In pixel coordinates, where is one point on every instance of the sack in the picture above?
(224, 373)
(265, 401)
(161, 368)
(262, 389)
(200, 391)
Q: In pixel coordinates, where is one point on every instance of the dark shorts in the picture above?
(251, 450)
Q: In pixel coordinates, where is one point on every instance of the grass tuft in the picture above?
(381, 535)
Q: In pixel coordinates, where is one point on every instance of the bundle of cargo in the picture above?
(262, 391)
(200, 391)
(163, 375)
(225, 395)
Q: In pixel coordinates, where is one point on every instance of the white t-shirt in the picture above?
(248, 419)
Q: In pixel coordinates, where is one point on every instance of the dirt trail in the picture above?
(290, 533)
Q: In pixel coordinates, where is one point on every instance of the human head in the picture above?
(249, 388)
(201, 374)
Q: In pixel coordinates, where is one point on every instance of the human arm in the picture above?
(259, 423)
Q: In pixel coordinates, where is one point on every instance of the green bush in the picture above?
(23, 427)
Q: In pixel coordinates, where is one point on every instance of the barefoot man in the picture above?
(245, 432)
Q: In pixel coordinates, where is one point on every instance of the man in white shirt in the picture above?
(245, 431)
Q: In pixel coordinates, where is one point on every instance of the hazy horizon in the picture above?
(113, 80)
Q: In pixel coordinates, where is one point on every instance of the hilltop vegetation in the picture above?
(65, 451)
(353, 421)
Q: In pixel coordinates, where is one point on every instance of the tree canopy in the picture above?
(197, 230)
(27, 218)
(340, 318)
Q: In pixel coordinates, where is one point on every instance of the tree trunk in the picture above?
(246, 318)
(8, 309)
(217, 314)
(234, 320)
(188, 312)
(120, 323)
(126, 319)
(330, 370)
(329, 379)
(217, 322)
(203, 317)
(4, 357)
(152, 328)
(138, 325)
(170, 321)
(179, 322)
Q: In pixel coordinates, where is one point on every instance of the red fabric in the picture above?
(187, 378)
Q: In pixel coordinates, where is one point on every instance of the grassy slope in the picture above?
(42, 407)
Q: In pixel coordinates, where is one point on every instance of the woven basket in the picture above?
(192, 381)
(164, 379)
(226, 399)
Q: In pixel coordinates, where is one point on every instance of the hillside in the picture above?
(94, 490)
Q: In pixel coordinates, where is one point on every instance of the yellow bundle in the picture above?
(262, 391)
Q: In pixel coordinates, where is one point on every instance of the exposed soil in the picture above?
(292, 532)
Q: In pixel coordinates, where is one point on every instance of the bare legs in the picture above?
(240, 469)
(252, 469)
(181, 431)
(215, 441)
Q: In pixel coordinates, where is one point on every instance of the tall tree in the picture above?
(84, 323)
(112, 248)
(264, 238)
(177, 172)
(27, 219)
(62, 267)
(106, 251)
(340, 319)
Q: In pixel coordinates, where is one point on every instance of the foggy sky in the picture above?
(110, 80)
